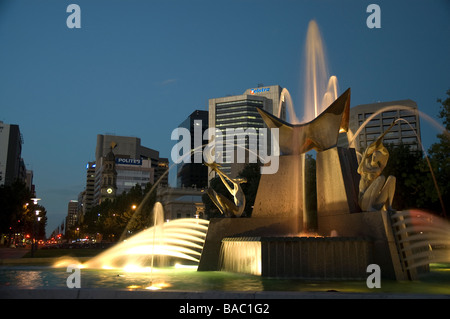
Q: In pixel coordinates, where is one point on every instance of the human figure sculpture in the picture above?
(227, 207)
(375, 191)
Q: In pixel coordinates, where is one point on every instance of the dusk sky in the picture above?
(139, 68)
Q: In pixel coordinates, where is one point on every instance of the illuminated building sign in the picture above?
(259, 90)
(129, 161)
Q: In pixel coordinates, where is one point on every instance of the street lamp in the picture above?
(33, 240)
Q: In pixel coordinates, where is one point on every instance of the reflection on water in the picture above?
(31, 277)
(188, 279)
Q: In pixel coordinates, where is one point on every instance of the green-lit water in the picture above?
(33, 277)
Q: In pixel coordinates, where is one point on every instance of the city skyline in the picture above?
(141, 69)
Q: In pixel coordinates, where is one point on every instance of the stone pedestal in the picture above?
(375, 227)
(337, 182)
(281, 195)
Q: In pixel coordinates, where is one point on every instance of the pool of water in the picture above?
(188, 279)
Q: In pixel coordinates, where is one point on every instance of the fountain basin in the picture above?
(322, 258)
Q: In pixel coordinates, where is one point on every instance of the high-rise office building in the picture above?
(12, 166)
(72, 214)
(194, 174)
(88, 194)
(125, 147)
(405, 131)
(239, 112)
(29, 181)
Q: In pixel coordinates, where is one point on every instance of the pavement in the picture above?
(101, 293)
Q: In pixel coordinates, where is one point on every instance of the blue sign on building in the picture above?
(128, 161)
(259, 90)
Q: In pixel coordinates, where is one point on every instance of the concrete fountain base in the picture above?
(318, 258)
(363, 238)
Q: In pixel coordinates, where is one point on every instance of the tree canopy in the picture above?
(126, 213)
(18, 212)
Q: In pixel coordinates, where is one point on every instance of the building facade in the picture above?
(132, 172)
(12, 166)
(232, 113)
(72, 214)
(194, 174)
(184, 202)
(89, 191)
(161, 172)
(121, 163)
(406, 131)
(106, 188)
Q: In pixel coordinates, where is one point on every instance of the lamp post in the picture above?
(33, 239)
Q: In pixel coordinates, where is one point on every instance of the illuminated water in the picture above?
(241, 256)
(179, 238)
(320, 89)
(188, 279)
(427, 240)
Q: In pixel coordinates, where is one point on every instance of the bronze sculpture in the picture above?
(227, 207)
(375, 191)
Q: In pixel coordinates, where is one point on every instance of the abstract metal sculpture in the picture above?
(227, 207)
(320, 134)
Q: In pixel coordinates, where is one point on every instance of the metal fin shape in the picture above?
(320, 134)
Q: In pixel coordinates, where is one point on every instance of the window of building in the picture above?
(390, 114)
(373, 129)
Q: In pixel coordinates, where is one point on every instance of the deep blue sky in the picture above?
(139, 68)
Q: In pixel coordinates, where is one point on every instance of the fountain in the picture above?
(179, 238)
(423, 238)
(320, 89)
(279, 240)
(264, 244)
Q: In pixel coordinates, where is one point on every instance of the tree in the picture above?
(407, 165)
(18, 213)
(128, 213)
(422, 180)
(440, 158)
